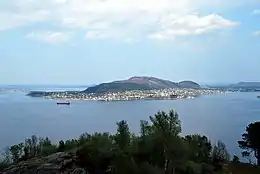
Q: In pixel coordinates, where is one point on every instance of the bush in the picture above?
(61, 147)
(48, 150)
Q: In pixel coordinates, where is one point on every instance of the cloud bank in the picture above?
(116, 19)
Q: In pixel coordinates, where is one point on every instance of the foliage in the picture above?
(61, 147)
(220, 156)
(16, 152)
(122, 136)
(251, 141)
(158, 149)
(199, 148)
(220, 152)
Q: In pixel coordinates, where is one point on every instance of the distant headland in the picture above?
(251, 85)
(241, 86)
(134, 88)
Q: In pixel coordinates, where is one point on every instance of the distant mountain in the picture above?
(241, 86)
(140, 83)
(251, 85)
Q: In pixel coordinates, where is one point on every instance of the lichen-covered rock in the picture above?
(58, 163)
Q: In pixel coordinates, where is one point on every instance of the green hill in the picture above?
(140, 83)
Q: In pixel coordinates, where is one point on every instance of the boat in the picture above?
(63, 103)
(258, 96)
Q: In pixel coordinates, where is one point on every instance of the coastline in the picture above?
(100, 98)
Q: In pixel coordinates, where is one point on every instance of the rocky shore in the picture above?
(58, 163)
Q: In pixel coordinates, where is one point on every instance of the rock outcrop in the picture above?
(58, 163)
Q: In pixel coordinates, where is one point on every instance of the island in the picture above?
(140, 83)
(134, 88)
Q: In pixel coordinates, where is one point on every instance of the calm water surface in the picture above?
(221, 117)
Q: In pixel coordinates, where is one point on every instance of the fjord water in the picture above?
(220, 117)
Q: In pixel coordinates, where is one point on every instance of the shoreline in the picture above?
(134, 99)
(163, 94)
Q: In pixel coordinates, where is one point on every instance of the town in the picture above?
(163, 94)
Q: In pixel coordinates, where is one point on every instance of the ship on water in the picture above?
(63, 103)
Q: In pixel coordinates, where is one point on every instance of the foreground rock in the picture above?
(58, 163)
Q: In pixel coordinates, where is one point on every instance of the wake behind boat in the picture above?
(63, 103)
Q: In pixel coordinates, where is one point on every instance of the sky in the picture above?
(93, 41)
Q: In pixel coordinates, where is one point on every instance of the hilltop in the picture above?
(140, 83)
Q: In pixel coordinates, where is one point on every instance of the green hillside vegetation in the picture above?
(158, 149)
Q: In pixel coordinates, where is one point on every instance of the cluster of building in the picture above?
(163, 94)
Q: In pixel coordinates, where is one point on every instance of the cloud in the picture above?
(256, 33)
(50, 37)
(173, 26)
(115, 19)
(256, 12)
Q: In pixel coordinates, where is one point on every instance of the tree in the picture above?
(166, 129)
(34, 144)
(61, 147)
(6, 159)
(143, 146)
(145, 128)
(199, 148)
(16, 151)
(31, 146)
(220, 152)
(251, 140)
(248, 156)
(45, 147)
(26, 153)
(220, 155)
(96, 154)
(122, 136)
(71, 144)
(83, 138)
